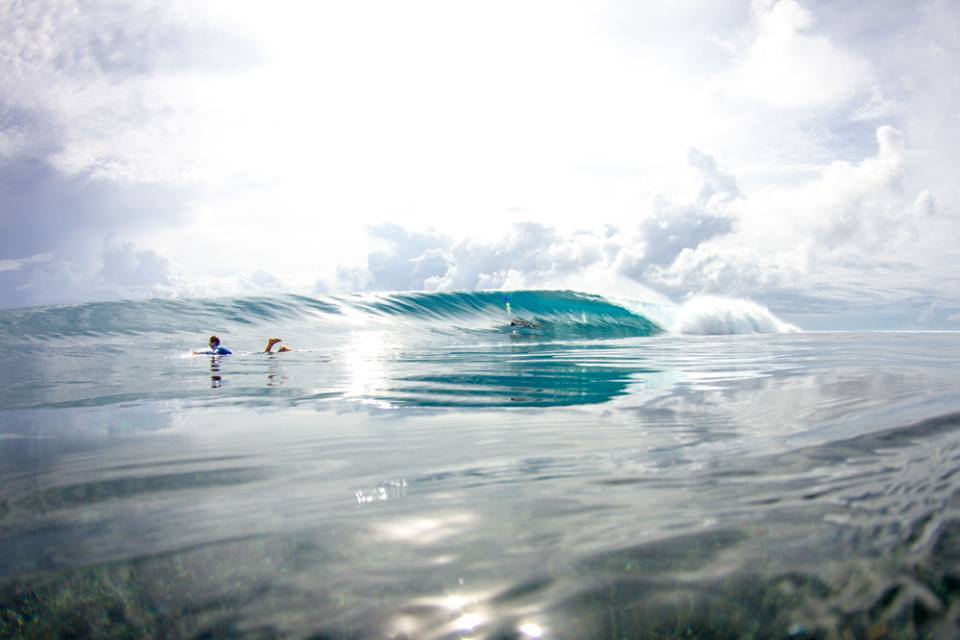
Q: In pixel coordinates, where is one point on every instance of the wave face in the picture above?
(546, 315)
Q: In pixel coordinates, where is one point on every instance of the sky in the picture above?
(801, 154)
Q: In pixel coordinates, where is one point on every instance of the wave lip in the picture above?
(715, 315)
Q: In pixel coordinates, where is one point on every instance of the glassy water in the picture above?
(417, 468)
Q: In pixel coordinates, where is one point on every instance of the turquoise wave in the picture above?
(551, 314)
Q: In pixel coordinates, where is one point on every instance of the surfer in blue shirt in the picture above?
(216, 349)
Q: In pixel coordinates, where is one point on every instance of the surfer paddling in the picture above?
(216, 349)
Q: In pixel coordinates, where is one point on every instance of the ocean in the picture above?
(419, 468)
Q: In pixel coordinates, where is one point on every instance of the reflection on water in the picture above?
(277, 376)
(541, 375)
(216, 380)
(802, 486)
(369, 369)
(385, 490)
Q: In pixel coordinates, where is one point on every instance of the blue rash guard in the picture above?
(219, 351)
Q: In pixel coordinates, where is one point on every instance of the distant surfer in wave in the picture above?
(519, 322)
(273, 342)
(216, 349)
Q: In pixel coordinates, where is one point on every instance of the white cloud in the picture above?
(878, 107)
(861, 205)
(130, 268)
(788, 66)
(120, 270)
(538, 255)
(92, 144)
(408, 261)
(228, 147)
(100, 83)
(807, 241)
(733, 269)
(17, 265)
(925, 205)
(806, 237)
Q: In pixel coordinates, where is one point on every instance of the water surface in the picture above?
(419, 469)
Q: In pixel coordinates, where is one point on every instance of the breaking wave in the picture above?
(710, 315)
(547, 314)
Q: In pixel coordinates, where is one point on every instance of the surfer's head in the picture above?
(214, 342)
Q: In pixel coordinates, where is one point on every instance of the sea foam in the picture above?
(714, 315)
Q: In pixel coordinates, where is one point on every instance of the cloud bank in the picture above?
(782, 245)
(799, 153)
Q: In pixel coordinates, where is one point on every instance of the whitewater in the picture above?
(421, 467)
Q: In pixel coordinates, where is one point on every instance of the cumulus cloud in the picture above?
(671, 228)
(147, 149)
(878, 107)
(409, 260)
(807, 241)
(428, 260)
(862, 204)
(128, 267)
(866, 205)
(668, 232)
(18, 265)
(83, 112)
(796, 238)
(88, 84)
(718, 240)
(118, 269)
(732, 269)
(59, 234)
(787, 65)
(538, 255)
